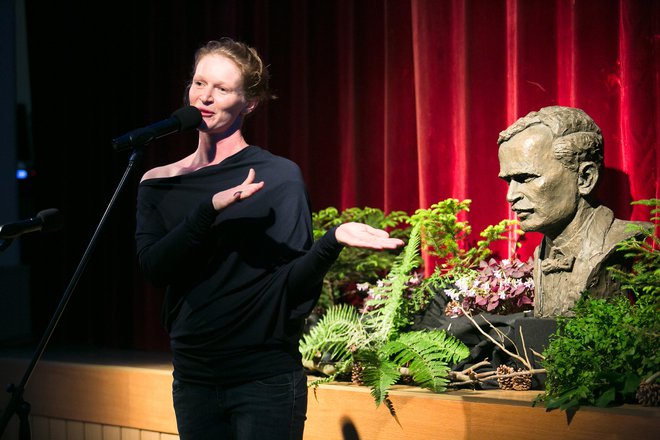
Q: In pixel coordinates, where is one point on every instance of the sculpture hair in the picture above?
(576, 137)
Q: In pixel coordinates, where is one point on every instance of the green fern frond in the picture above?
(386, 318)
(428, 355)
(378, 373)
(321, 380)
(332, 334)
(315, 383)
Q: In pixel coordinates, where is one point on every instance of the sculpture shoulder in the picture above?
(621, 230)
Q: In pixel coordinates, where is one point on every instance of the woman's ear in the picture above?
(588, 174)
(251, 105)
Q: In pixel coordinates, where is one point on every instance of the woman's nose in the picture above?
(206, 95)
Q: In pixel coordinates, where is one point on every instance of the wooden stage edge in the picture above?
(127, 395)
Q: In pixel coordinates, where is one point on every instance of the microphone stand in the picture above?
(17, 404)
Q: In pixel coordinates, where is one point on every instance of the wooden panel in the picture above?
(57, 429)
(345, 411)
(39, 428)
(105, 394)
(75, 430)
(148, 435)
(130, 434)
(93, 431)
(138, 399)
(111, 432)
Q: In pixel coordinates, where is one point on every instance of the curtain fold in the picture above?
(394, 104)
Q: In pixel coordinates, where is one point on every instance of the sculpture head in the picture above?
(551, 160)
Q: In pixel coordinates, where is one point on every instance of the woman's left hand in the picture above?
(364, 236)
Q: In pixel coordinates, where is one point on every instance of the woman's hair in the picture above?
(254, 72)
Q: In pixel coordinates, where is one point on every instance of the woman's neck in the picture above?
(212, 149)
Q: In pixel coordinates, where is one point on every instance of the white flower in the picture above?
(362, 287)
(453, 294)
(484, 286)
(462, 283)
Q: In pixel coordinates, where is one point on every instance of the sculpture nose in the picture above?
(513, 193)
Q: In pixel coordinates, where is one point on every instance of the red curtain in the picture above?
(394, 104)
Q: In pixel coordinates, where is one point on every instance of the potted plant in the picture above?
(374, 344)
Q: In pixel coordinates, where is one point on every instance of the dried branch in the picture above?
(501, 346)
(469, 376)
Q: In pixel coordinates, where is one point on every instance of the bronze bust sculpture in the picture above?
(552, 160)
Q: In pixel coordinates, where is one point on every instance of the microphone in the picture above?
(47, 220)
(186, 118)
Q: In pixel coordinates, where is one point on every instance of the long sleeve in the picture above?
(307, 273)
(165, 256)
(311, 268)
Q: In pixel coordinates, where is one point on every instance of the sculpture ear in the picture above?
(588, 174)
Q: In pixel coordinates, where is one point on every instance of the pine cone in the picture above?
(648, 394)
(522, 382)
(506, 383)
(356, 374)
(516, 383)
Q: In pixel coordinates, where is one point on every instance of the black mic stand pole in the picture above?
(17, 404)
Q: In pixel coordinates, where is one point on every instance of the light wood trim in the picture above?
(106, 394)
(341, 409)
(105, 397)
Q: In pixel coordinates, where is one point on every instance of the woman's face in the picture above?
(217, 91)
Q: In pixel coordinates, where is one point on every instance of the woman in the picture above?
(228, 230)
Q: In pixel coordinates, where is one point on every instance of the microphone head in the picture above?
(189, 117)
(52, 220)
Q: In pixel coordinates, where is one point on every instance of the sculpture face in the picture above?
(542, 192)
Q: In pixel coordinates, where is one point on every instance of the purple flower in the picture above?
(500, 287)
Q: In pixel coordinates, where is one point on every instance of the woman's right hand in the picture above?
(225, 198)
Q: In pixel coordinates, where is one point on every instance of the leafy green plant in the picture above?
(356, 265)
(600, 356)
(645, 274)
(445, 236)
(377, 341)
(445, 239)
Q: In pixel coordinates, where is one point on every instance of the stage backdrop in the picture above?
(390, 104)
